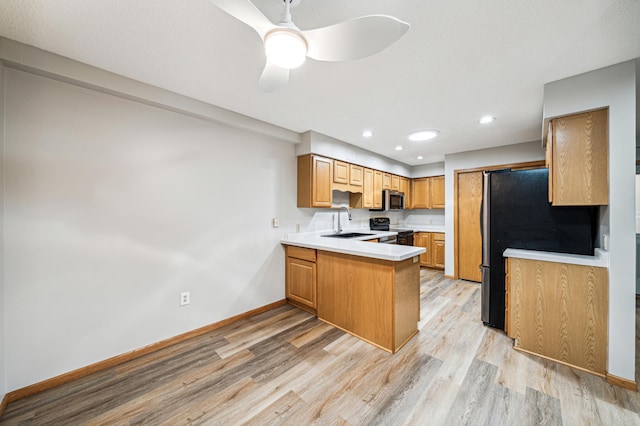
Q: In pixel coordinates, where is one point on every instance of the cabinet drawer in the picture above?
(438, 236)
(301, 253)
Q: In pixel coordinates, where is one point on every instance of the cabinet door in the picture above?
(437, 250)
(423, 239)
(437, 192)
(404, 188)
(321, 186)
(469, 205)
(580, 146)
(395, 183)
(315, 178)
(548, 158)
(377, 189)
(386, 181)
(560, 311)
(340, 172)
(356, 175)
(420, 193)
(367, 189)
(301, 281)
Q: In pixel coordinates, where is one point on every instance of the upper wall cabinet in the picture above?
(315, 178)
(427, 193)
(420, 193)
(356, 175)
(437, 192)
(340, 172)
(319, 176)
(578, 159)
(386, 181)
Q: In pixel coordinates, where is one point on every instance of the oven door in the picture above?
(387, 240)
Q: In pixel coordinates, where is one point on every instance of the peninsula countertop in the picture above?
(357, 246)
(599, 259)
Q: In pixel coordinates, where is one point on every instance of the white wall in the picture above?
(3, 382)
(317, 143)
(113, 207)
(426, 170)
(615, 87)
(510, 154)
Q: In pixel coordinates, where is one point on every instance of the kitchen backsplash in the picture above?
(326, 219)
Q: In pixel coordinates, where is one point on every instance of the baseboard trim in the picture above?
(451, 277)
(136, 353)
(622, 382)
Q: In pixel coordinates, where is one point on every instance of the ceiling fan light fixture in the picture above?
(285, 48)
(423, 135)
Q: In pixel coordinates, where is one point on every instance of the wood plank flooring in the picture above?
(286, 367)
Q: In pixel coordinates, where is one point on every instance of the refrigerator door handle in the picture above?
(485, 296)
(484, 218)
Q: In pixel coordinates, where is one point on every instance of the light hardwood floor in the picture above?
(286, 367)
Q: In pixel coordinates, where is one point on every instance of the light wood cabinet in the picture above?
(437, 250)
(577, 157)
(386, 181)
(356, 175)
(427, 193)
(420, 193)
(367, 189)
(469, 245)
(395, 183)
(301, 278)
(340, 172)
(375, 300)
(437, 192)
(318, 177)
(404, 188)
(315, 178)
(433, 243)
(559, 311)
(423, 239)
(377, 189)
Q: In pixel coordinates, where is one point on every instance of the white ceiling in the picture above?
(459, 61)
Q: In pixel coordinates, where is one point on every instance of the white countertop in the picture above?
(599, 259)
(355, 246)
(424, 228)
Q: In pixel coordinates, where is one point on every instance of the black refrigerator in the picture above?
(516, 213)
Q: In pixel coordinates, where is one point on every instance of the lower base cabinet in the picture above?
(433, 243)
(301, 278)
(559, 311)
(375, 300)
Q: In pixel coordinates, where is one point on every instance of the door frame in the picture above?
(512, 166)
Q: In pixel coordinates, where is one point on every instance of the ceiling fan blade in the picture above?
(354, 39)
(245, 11)
(273, 78)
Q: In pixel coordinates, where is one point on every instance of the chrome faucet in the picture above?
(348, 214)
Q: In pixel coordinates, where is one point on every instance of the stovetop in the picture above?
(402, 231)
(383, 224)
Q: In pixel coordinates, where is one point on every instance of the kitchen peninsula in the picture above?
(366, 289)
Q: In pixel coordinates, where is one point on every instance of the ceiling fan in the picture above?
(287, 47)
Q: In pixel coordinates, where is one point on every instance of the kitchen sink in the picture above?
(347, 235)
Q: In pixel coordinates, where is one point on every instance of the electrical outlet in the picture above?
(297, 227)
(185, 298)
(275, 222)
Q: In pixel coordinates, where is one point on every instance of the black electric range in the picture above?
(405, 236)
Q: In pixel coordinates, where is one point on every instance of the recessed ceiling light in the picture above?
(399, 148)
(367, 134)
(422, 135)
(419, 157)
(486, 119)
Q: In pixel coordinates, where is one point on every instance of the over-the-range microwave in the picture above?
(391, 200)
